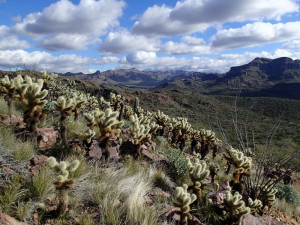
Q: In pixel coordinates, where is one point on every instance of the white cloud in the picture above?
(106, 60)
(124, 41)
(68, 42)
(44, 61)
(88, 17)
(219, 64)
(10, 43)
(258, 33)
(3, 30)
(292, 44)
(188, 45)
(189, 16)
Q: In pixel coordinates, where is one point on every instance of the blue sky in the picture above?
(196, 35)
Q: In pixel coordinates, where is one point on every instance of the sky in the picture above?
(195, 35)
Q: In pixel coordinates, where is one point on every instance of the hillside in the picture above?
(72, 152)
(129, 78)
(261, 77)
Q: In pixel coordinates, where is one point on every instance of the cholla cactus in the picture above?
(79, 101)
(107, 122)
(136, 107)
(183, 199)
(128, 111)
(163, 120)
(63, 184)
(8, 90)
(235, 207)
(198, 173)
(255, 205)
(89, 135)
(91, 102)
(181, 131)
(203, 141)
(213, 169)
(241, 162)
(140, 131)
(33, 98)
(268, 196)
(48, 78)
(65, 107)
(103, 104)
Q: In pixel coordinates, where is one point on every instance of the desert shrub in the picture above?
(288, 192)
(177, 162)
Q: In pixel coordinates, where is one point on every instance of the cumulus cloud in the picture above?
(124, 41)
(255, 34)
(44, 61)
(188, 45)
(294, 44)
(189, 16)
(10, 43)
(68, 42)
(219, 64)
(88, 17)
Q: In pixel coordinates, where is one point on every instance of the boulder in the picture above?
(46, 137)
(7, 220)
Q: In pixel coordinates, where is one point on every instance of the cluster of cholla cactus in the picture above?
(103, 104)
(181, 129)
(31, 95)
(184, 199)
(117, 102)
(267, 195)
(198, 173)
(255, 206)
(7, 89)
(213, 170)
(140, 131)
(107, 123)
(79, 101)
(65, 107)
(136, 107)
(234, 206)
(203, 141)
(163, 120)
(49, 79)
(63, 183)
(241, 163)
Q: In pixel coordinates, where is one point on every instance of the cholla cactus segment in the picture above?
(235, 206)
(183, 199)
(103, 104)
(139, 131)
(89, 135)
(64, 105)
(198, 172)
(106, 121)
(255, 205)
(91, 102)
(237, 158)
(268, 196)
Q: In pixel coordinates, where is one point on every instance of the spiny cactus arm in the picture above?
(183, 199)
(255, 205)
(64, 105)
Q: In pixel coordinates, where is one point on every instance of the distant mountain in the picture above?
(130, 77)
(262, 72)
(261, 77)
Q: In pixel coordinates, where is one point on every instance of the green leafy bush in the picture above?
(177, 162)
(287, 192)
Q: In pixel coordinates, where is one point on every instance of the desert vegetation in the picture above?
(70, 157)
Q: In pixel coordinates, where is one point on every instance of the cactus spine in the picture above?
(183, 199)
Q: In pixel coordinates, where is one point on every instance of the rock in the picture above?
(113, 154)
(147, 154)
(46, 137)
(17, 122)
(262, 220)
(39, 160)
(36, 162)
(95, 151)
(7, 220)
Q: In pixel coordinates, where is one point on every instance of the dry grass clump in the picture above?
(120, 195)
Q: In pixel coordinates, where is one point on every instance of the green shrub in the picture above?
(177, 162)
(287, 192)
